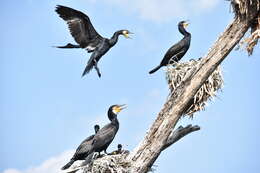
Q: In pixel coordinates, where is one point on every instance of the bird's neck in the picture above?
(113, 40)
(113, 118)
(183, 31)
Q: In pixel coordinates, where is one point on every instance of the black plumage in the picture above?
(105, 135)
(118, 151)
(82, 150)
(178, 50)
(87, 37)
(101, 140)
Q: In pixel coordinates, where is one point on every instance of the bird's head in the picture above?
(183, 24)
(115, 109)
(126, 33)
(119, 147)
(96, 127)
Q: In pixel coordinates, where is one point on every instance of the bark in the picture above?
(179, 133)
(143, 157)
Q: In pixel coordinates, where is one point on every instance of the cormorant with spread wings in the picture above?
(87, 37)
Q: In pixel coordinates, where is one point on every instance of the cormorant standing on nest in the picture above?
(87, 37)
(82, 150)
(105, 136)
(177, 51)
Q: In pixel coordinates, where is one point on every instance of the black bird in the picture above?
(119, 150)
(82, 150)
(87, 37)
(105, 135)
(177, 51)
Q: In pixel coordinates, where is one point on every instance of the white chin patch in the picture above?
(90, 48)
(114, 111)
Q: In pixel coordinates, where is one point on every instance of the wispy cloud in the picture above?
(163, 11)
(52, 165)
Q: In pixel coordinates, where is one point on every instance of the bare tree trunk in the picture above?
(161, 134)
(143, 157)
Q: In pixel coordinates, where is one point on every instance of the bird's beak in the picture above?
(127, 35)
(121, 107)
(186, 24)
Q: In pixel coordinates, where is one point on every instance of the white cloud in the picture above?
(51, 165)
(163, 10)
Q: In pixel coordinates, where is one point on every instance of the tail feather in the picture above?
(68, 165)
(89, 66)
(69, 45)
(155, 69)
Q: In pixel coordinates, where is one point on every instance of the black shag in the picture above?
(87, 37)
(118, 151)
(105, 135)
(82, 150)
(177, 51)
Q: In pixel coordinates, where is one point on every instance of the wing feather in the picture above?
(79, 25)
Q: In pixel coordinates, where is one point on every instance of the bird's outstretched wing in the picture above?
(79, 25)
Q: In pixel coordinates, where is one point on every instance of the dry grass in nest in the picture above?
(243, 11)
(109, 164)
(106, 164)
(176, 74)
(251, 41)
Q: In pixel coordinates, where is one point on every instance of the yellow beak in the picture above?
(127, 34)
(121, 107)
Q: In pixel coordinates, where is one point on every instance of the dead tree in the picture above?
(161, 134)
(246, 16)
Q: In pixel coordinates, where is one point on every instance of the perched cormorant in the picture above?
(87, 37)
(177, 51)
(105, 135)
(82, 150)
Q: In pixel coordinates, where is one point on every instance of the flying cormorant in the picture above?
(177, 51)
(87, 37)
(82, 150)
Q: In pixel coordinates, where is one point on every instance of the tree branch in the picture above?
(161, 134)
(150, 148)
(179, 133)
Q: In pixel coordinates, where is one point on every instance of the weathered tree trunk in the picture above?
(161, 134)
(143, 157)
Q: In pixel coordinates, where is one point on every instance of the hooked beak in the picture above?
(121, 107)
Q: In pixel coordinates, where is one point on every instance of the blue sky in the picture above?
(47, 109)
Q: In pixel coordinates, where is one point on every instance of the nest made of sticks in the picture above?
(251, 41)
(105, 164)
(246, 10)
(109, 164)
(176, 74)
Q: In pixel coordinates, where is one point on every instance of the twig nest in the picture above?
(109, 164)
(251, 41)
(176, 73)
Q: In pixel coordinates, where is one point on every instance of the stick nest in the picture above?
(106, 164)
(109, 164)
(251, 41)
(248, 10)
(176, 74)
